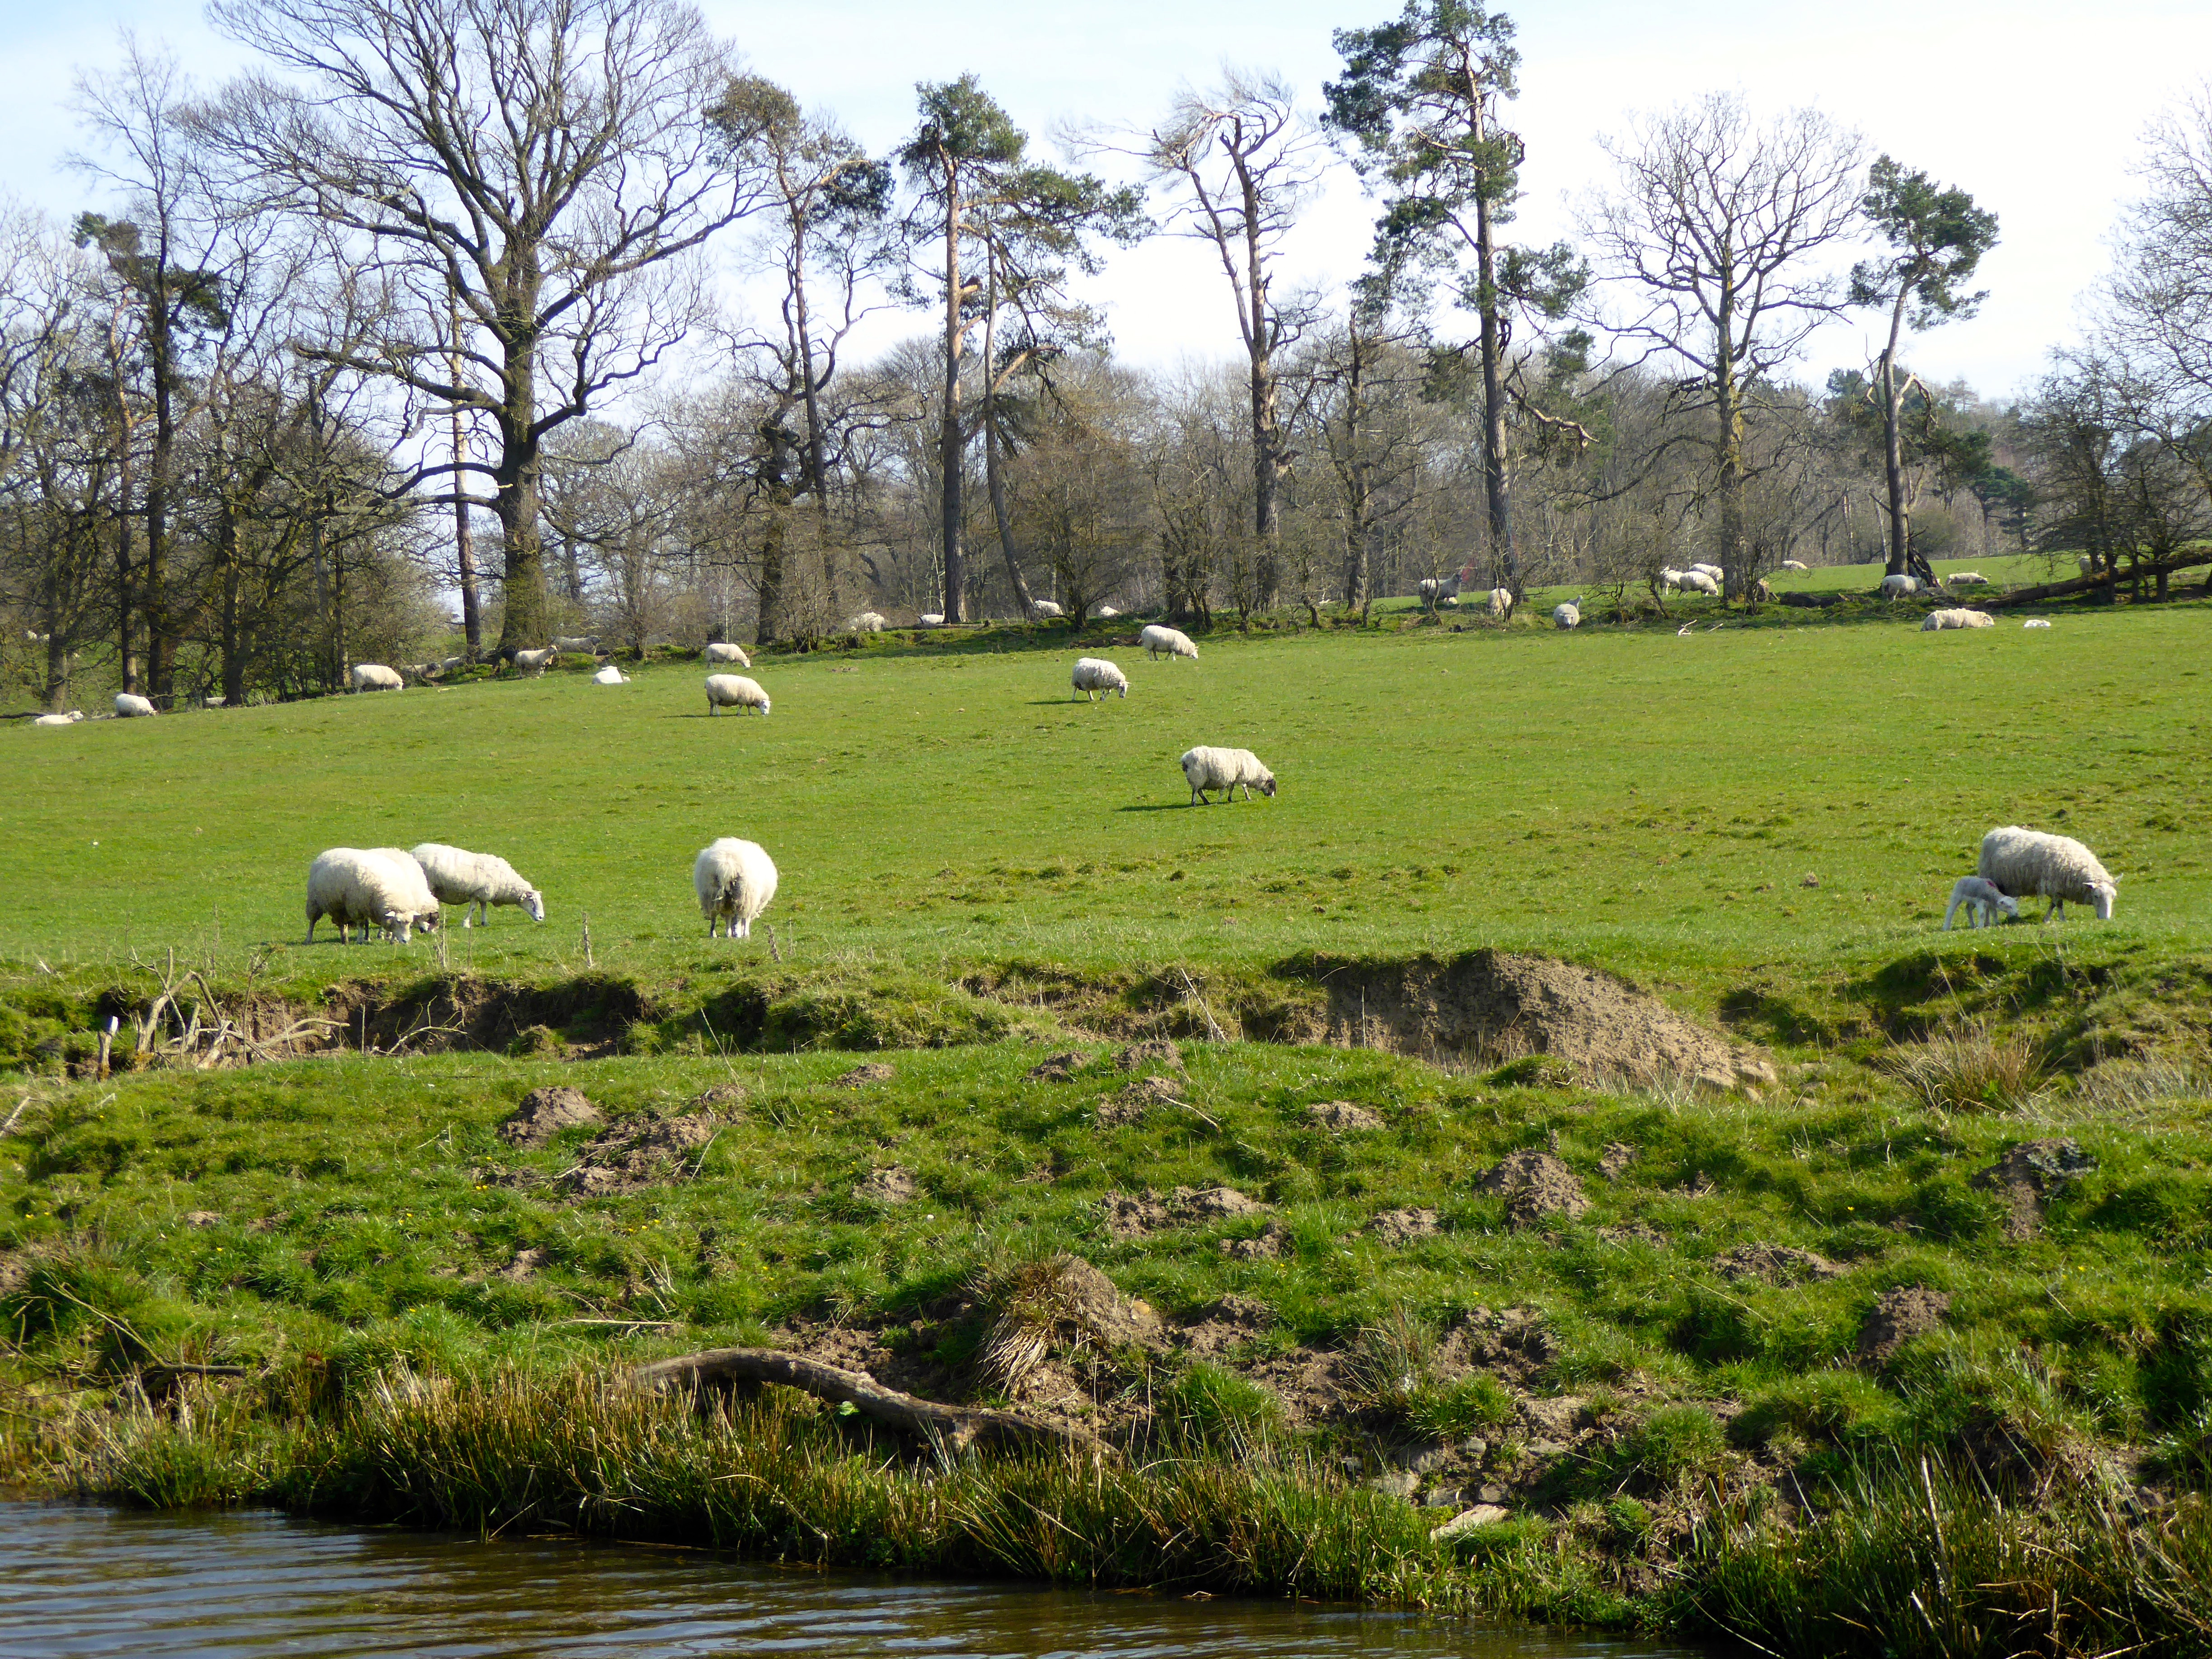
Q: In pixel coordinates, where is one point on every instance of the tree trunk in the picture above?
(1727, 440)
(153, 594)
(1267, 468)
(464, 556)
(950, 442)
(994, 474)
(1497, 486)
(1893, 446)
(126, 635)
(232, 643)
(770, 623)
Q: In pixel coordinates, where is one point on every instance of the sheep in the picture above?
(381, 887)
(1694, 580)
(1795, 564)
(723, 651)
(1095, 674)
(734, 691)
(128, 707)
(533, 662)
(1568, 614)
(374, 677)
(1936, 621)
(868, 621)
(1443, 591)
(931, 619)
(1669, 578)
(1045, 609)
(451, 663)
(1899, 587)
(578, 644)
(481, 879)
(1712, 570)
(1761, 591)
(70, 718)
(1105, 612)
(1983, 901)
(735, 880)
(1501, 603)
(2089, 566)
(1209, 768)
(2037, 622)
(2025, 862)
(1166, 641)
(1960, 577)
(610, 675)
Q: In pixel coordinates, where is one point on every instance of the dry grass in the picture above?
(1971, 1068)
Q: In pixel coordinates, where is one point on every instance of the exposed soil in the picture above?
(1158, 1051)
(893, 1185)
(1058, 1068)
(1268, 1245)
(2027, 1175)
(1613, 1162)
(860, 1076)
(1897, 1317)
(1130, 1215)
(640, 1151)
(1495, 1007)
(1776, 1264)
(1535, 1185)
(1342, 1117)
(1130, 1103)
(545, 1113)
(1404, 1226)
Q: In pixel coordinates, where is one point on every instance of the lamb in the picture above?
(1095, 674)
(610, 675)
(1982, 901)
(1501, 603)
(1694, 580)
(1046, 610)
(723, 651)
(735, 880)
(1959, 578)
(1795, 564)
(1207, 768)
(735, 691)
(374, 677)
(1166, 641)
(1899, 587)
(533, 662)
(2025, 862)
(868, 621)
(1105, 612)
(481, 879)
(1440, 591)
(381, 887)
(1936, 621)
(1568, 614)
(567, 643)
(128, 707)
(2037, 622)
(70, 718)
(927, 619)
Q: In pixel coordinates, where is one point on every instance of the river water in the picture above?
(77, 1580)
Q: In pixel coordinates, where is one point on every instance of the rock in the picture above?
(890, 1185)
(1403, 1226)
(1482, 1514)
(860, 1076)
(1342, 1117)
(1268, 1246)
(1157, 1051)
(544, 1113)
(1535, 1185)
(203, 1218)
(2029, 1174)
(1421, 1458)
(1897, 1317)
(1775, 1264)
(1613, 1162)
(1058, 1068)
(1396, 1482)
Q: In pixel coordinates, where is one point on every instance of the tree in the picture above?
(546, 166)
(1715, 229)
(1243, 163)
(1936, 238)
(1420, 97)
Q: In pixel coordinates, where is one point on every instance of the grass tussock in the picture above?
(1971, 1068)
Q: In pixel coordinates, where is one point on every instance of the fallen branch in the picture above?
(2086, 584)
(951, 1425)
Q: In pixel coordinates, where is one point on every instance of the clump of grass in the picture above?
(1674, 1443)
(1218, 1410)
(1970, 1068)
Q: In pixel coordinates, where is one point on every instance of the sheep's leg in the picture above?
(1953, 911)
(2057, 912)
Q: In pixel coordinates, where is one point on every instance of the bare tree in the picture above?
(546, 165)
(1714, 233)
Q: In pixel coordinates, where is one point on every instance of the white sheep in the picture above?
(734, 691)
(1209, 768)
(610, 675)
(1046, 610)
(1982, 901)
(481, 879)
(2031, 862)
(1762, 590)
(1670, 579)
(1899, 587)
(1936, 620)
(1568, 614)
(1694, 580)
(723, 651)
(374, 677)
(2037, 622)
(533, 662)
(129, 708)
(1095, 674)
(735, 880)
(567, 643)
(868, 621)
(70, 718)
(1795, 564)
(931, 619)
(381, 887)
(1501, 603)
(1440, 590)
(1962, 577)
(1166, 641)
(1106, 612)
(451, 663)
(2089, 566)
(1712, 570)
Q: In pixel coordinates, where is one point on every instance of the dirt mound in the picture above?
(545, 1113)
(1341, 1117)
(1496, 1007)
(2027, 1175)
(1535, 1185)
(1058, 1068)
(1223, 1324)
(584, 1017)
(1775, 1264)
(1613, 1162)
(728, 1096)
(891, 1185)
(1132, 1102)
(640, 1151)
(1158, 1051)
(1404, 1226)
(1134, 1215)
(860, 1076)
(1897, 1317)
(1268, 1246)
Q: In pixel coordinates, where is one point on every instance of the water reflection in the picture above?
(79, 1581)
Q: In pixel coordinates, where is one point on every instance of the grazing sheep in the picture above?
(567, 643)
(1936, 620)
(1899, 587)
(128, 707)
(1440, 591)
(734, 691)
(1669, 578)
(1963, 577)
(1095, 674)
(723, 651)
(451, 663)
(868, 621)
(931, 619)
(466, 878)
(1712, 570)
(2037, 622)
(735, 880)
(70, 718)
(610, 675)
(1207, 768)
(374, 677)
(1984, 902)
(1795, 564)
(1568, 614)
(1046, 610)
(1697, 581)
(1105, 612)
(1166, 641)
(1501, 603)
(533, 662)
(2030, 862)
(381, 887)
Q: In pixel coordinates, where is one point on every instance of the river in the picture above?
(77, 1581)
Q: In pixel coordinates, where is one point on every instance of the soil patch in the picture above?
(1537, 1186)
(1897, 1317)
(1133, 1215)
(2027, 1175)
(1158, 1051)
(860, 1076)
(726, 1097)
(1268, 1246)
(1341, 1117)
(640, 1152)
(1133, 1102)
(1404, 1226)
(1775, 1264)
(1613, 1162)
(545, 1113)
(893, 1185)
(1058, 1068)
(585, 1016)
(1494, 1007)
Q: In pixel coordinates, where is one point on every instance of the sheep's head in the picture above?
(2007, 903)
(398, 924)
(533, 904)
(2104, 893)
(1267, 785)
(1123, 688)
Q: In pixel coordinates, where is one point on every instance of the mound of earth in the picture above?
(2027, 1175)
(1341, 1116)
(1132, 1102)
(1058, 1068)
(860, 1076)
(1403, 1226)
(545, 1113)
(640, 1151)
(1498, 1007)
(727, 1096)
(1535, 1185)
(1157, 1051)
(1897, 1317)
(1268, 1246)
(1775, 1264)
(890, 1185)
(1134, 1215)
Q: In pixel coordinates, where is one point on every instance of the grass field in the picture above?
(1685, 1434)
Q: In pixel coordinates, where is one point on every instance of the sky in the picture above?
(2035, 108)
